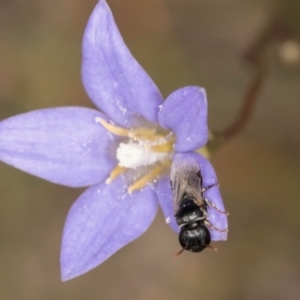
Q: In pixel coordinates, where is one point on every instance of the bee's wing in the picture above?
(185, 181)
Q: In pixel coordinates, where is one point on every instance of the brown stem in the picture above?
(276, 30)
(247, 109)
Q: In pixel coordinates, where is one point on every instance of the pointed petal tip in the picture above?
(67, 274)
(65, 277)
(112, 77)
(69, 270)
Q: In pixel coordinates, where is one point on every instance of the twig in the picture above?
(255, 55)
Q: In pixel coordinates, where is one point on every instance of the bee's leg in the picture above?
(204, 213)
(209, 187)
(177, 255)
(212, 247)
(209, 203)
(214, 228)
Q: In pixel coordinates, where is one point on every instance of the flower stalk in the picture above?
(276, 30)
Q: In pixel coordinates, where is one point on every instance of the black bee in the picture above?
(190, 207)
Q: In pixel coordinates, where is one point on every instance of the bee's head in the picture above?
(194, 238)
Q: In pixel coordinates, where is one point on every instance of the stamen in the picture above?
(149, 177)
(143, 134)
(161, 143)
(118, 170)
(133, 155)
(166, 147)
(144, 148)
(144, 180)
(113, 128)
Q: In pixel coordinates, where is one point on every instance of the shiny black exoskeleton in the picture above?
(194, 235)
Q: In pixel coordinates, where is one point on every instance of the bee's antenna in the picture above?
(212, 248)
(177, 255)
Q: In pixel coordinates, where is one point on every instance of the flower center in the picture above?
(133, 155)
(145, 147)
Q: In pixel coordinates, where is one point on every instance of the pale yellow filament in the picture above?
(150, 176)
(151, 141)
(140, 134)
(113, 128)
(118, 170)
(165, 147)
(143, 134)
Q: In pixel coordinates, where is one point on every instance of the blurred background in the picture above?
(179, 43)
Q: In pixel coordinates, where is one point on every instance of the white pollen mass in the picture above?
(134, 155)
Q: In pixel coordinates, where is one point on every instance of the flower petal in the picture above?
(185, 113)
(209, 178)
(113, 79)
(164, 194)
(101, 221)
(63, 145)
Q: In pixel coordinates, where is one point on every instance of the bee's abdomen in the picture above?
(188, 213)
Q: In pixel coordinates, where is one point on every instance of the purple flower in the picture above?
(126, 163)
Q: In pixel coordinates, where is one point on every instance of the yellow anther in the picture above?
(114, 174)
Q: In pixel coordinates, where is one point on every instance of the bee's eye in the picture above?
(194, 238)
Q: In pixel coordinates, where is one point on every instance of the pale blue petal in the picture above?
(62, 145)
(101, 221)
(113, 79)
(185, 113)
(164, 194)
